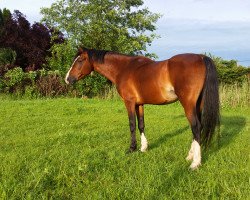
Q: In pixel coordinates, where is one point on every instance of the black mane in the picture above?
(94, 55)
(98, 55)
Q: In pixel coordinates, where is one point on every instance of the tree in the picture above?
(117, 25)
(5, 15)
(31, 43)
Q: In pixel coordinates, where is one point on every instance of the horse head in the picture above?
(80, 68)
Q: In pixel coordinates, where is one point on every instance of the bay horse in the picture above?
(189, 78)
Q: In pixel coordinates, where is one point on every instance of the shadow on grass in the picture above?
(229, 129)
(167, 136)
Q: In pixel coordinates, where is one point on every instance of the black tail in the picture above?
(211, 112)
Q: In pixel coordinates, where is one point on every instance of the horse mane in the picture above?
(98, 55)
(93, 54)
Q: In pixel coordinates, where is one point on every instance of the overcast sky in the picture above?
(221, 27)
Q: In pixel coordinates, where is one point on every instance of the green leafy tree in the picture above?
(119, 25)
(61, 56)
(5, 15)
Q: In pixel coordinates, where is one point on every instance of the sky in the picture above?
(219, 27)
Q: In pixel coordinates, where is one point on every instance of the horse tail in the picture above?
(210, 117)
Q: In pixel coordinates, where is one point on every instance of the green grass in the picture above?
(75, 149)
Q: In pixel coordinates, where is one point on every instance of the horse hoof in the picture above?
(144, 148)
(189, 157)
(194, 166)
(131, 150)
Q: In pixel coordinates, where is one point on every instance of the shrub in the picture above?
(92, 85)
(229, 72)
(51, 85)
(14, 76)
(234, 75)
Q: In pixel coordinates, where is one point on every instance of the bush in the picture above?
(92, 85)
(229, 72)
(51, 85)
(234, 75)
(44, 83)
(14, 77)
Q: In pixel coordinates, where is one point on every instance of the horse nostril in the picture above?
(70, 80)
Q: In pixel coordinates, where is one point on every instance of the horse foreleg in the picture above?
(140, 118)
(132, 124)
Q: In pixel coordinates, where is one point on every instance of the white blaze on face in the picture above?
(196, 155)
(144, 143)
(67, 75)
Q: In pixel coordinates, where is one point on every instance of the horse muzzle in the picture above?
(70, 79)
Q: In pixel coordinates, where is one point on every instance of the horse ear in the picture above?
(80, 50)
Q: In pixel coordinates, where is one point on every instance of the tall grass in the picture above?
(231, 95)
(235, 95)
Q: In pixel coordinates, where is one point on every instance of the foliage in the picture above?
(7, 56)
(31, 43)
(61, 57)
(121, 26)
(14, 76)
(7, 60)
(229, 72)
(43, 83)
(33, 83)
(5, 15)
(75, 149)
(51, 85)
(92, 85)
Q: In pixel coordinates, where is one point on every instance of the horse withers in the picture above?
(189, 78)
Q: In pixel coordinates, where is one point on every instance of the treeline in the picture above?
(34, 58)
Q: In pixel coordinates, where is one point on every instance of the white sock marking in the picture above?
(191, 152)
(196, 155)
(144, 143)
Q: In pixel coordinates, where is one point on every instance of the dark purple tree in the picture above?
(31, 43)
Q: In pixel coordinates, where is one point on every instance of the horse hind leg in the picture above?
(196, 149)
(194, 153)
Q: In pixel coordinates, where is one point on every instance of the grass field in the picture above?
(75, 149)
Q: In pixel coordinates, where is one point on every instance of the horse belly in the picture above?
(169, 94)
(158, 95)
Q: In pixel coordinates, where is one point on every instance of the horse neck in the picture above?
(112, 66)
